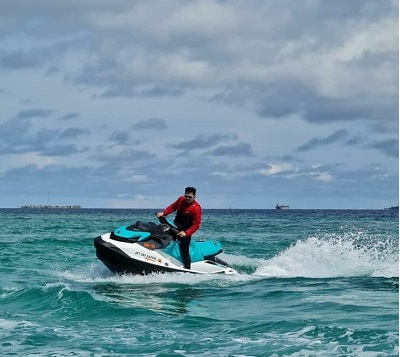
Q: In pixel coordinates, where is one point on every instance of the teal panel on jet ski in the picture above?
(127, 233)
(209, 247)
(197, 250)
(173, 250)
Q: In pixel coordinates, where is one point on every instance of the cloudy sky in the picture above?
(122, 103)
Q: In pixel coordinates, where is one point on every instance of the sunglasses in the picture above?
(189, 196)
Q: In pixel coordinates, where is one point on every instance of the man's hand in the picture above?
(182, 234)
(160, 214)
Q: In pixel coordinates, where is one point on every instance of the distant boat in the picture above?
(278, 206)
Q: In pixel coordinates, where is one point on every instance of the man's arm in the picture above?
(171, 208)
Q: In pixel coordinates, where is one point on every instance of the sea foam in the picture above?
(332, 256)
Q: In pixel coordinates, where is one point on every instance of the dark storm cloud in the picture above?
(241, 149)
(369, 108)
(120, 137)
(14, 134)
(203, 141)
(18, 136)
(22, 59)
(106, 72)
(388, 147)
(14, 128)
(120, 89)
(60, 150)
(42, 137)
(126, 157)
(34, 57)
(31, 179)
(151, 123)
(72, 133)
(85, 181)
(284, 158)
(355, 141)
(34, 113)
(162, 91)
(69, 116)
(363, 174)
(317, 142)
(283, 99)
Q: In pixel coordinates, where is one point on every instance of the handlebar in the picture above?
(172, 227)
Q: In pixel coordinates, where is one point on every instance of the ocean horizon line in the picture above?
(79, 207)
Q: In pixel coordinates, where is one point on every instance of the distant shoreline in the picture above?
(35, 207)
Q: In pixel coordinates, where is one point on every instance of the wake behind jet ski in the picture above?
(147, 247)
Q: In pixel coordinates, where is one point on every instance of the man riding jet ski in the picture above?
(187, 220)
(144, 248)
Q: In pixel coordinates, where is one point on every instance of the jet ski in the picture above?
(147, 247)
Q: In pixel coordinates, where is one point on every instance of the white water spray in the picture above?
(333, 256)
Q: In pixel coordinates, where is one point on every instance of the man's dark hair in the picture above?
(190, 189)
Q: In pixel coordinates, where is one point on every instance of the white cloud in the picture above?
(324, 176)
(274, 169)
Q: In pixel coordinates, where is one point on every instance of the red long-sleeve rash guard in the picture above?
(193, 210)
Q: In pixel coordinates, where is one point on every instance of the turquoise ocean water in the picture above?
(310, 283)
